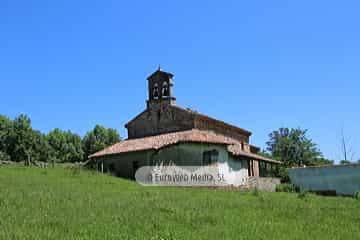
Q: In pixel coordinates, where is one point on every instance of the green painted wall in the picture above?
(123, 163)
(188, 154)
(182, 154)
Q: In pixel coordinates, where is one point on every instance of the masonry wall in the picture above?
(160, 118)
(344, 179)
(204, 125)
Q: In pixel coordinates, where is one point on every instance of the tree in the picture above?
(293, 147)
(98, 139)
(66, 146)
(344, 162)
(5, 130)
(42, 151)
(264, 153)
(4, 156)
(20, 141)
(324, 161)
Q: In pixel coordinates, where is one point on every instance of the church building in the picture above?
(166, 133)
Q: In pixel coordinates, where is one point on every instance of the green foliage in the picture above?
(303, 193)
(264, 154)
(5, 130)
(344, 162)
(293, 147)
(21, 138)
(58, 204)
(357, 195)
(99, 138)
(255, 192)
(42, 151)
(66, 146)
(285, 187)
(20, 142)
(282, 173)
(323, 161)
(4, 156)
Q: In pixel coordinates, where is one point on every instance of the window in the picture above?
(156, 91)
(165, 89)
(210, 157)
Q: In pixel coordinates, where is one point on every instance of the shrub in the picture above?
(285, 187)
(302, 194)
(4, 156)
(282, 173)
(357, 195)
(255, 192)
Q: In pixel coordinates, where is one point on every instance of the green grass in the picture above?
(58, 203)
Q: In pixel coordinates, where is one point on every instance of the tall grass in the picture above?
(58, 203)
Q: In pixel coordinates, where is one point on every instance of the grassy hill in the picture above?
(58, 203)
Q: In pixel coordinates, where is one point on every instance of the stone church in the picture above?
(165, 132)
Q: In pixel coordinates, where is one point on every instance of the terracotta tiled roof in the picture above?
(235, 149)
(163, 140)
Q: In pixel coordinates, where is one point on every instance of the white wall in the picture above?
(344, 179)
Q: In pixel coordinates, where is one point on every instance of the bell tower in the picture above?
(160, 88)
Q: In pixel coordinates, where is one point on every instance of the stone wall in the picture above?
(264, 184)
(207, 125)
(248, 183)
(159, 118)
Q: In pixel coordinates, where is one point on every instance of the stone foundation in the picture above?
(264, 184)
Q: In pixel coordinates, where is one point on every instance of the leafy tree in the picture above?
(99, 138)
(293, 147)
(345, 162)
(264, 153)
(20, 141)
(42, 151)
(5, 129)
(66, 146)
(324, 161)
(4, 156)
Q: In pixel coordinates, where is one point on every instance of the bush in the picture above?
(302, 194)
(282, 173)
(285, 187)
(255, 192)
(357, 195)
(4, 156)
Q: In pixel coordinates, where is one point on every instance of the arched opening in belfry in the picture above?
(165, 89)
(156, 91)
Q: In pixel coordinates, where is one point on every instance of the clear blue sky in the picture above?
(260, 65)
